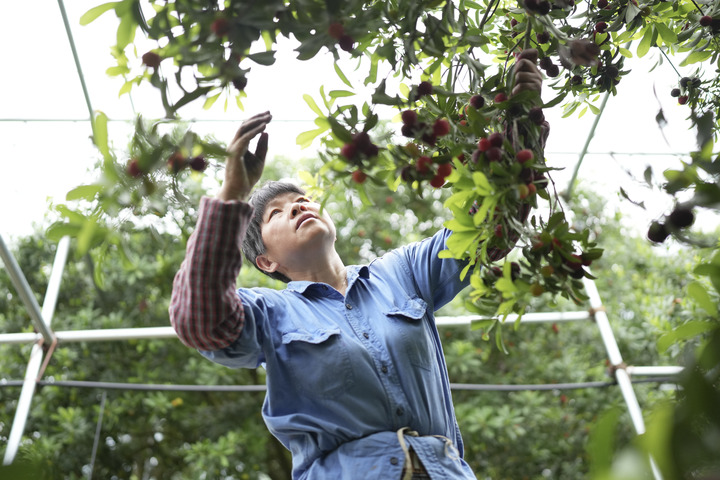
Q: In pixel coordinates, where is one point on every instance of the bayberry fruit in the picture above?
(423, 164)
(524, 155)
(346, 43)
(177, 162)
(683, 100)
(536, 115)
(657, 232)
(675, 92)
(552, 71)
(477, 101)
(543, 37)
(441, 127)
(444, 169)
(602, 3)
(545, 63)
(484, 144)
(543, 7)
(133, 169)
(359, 176)
(220, 26)
(437, 181)
(151, 59)
(494, 154)
(348, 150)
(685, 81)
(498, 231)
(336, 30)
(408, 130)
(240, 83)
(705, 21)
(409, 117)
(496, 139)
(600, 27)
(199, 164)
(681, 217)
(500, 97)
(425, 88)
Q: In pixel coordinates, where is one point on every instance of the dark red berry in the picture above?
(477, 101)
(685, 81)
(705, 21)
(524, 155)
(657, 232)
(484, 144)
(552, 71)
(346, 43)
(409, 117)
(220, 26)
(151, 59)
(500, 97)
(683, 99)
(425, 88)
(348, 150)
(359, 176)
(602, 3)
(177, 162)
(441, 127)
(199, 164)
(545, 63)
(494, 154)
(536, 115)
(336, 30)
(675, 92)
(600, 27)
(543, 7)
(423, 164)
(444, 169)
(681, 217)
(543, 37)
(407, 130)
(133, 169)
(240, 83)
(496, 139)
(513, 22)
(437, 181)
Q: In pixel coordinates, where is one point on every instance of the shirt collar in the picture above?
(354, 272)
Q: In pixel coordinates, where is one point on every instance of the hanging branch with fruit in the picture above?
(442, 70)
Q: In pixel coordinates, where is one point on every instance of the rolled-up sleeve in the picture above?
(205, 310)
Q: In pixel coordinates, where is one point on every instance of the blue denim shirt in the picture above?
(345, 373)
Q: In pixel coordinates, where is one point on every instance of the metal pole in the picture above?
(621, 374)
(36, 354)
(540, 317)
(25, 292)
(61, 4)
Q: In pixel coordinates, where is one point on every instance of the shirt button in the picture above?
(400, 411)
(366, 335)
(348, 306)
(384, 368)
(394, 460)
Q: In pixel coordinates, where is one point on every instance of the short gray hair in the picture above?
(252, 245)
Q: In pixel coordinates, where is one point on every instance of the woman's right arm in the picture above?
(205, 310)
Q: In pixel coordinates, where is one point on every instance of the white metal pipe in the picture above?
(115, 334)
(10, 338)
(654, 371)
(53, 288)
(25, 292)
(541, 317)
(23, 407)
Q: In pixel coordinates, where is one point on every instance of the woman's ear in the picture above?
(265, 264)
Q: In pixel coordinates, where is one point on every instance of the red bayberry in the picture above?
(600, 27)
(602, 3)
(133, 169)
(681, 217)
(425, 88)
(444, 169)
(543, 37)
(498, 231)
(683, 99)
(409, 117)
(477, 101)
(523, 191)
(240, 83)
(552, 71)
(359, 176)
(524, 155)
(532, 189)
(496, 139)
(484, 144)
(177, 162)
(423, 164)
(336, 30)
(441, 127)
(536, 115)
(348, 150)
(151, 59)
(346, 43)
(705, 21)
(199, 164)
(500, 97)
(493, 154)
(220, 26)
(437, 181)
(675, 92)
(657, 232)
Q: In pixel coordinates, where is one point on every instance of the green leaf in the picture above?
(668, 36)
(189, 97)
(313, 106)
(342, 75)
(340, 93)
(646, 42)
(683, 332)
(699, 294)
(83, 192)
(126, 31)
(696, 56)
(100, 133)
(482, 184)
(209, 101)
(58, 230)
(305, 139)
(92, 14)
(263, 58)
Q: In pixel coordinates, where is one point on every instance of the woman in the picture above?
(357, 385)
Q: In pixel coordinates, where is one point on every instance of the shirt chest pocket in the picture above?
(414, 337)
(318, 362)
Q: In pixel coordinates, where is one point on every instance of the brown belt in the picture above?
(415, 467)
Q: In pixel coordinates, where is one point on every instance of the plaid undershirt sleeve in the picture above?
(205, 309)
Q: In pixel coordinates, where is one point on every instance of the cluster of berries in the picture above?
(176, 162)
(682, 93)
(681, 217)
(337, 31)
(551, 69)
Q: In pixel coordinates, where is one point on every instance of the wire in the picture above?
(262, 388)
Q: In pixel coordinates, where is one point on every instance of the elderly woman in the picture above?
(357, 385)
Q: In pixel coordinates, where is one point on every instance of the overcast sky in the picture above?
(45, 155)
